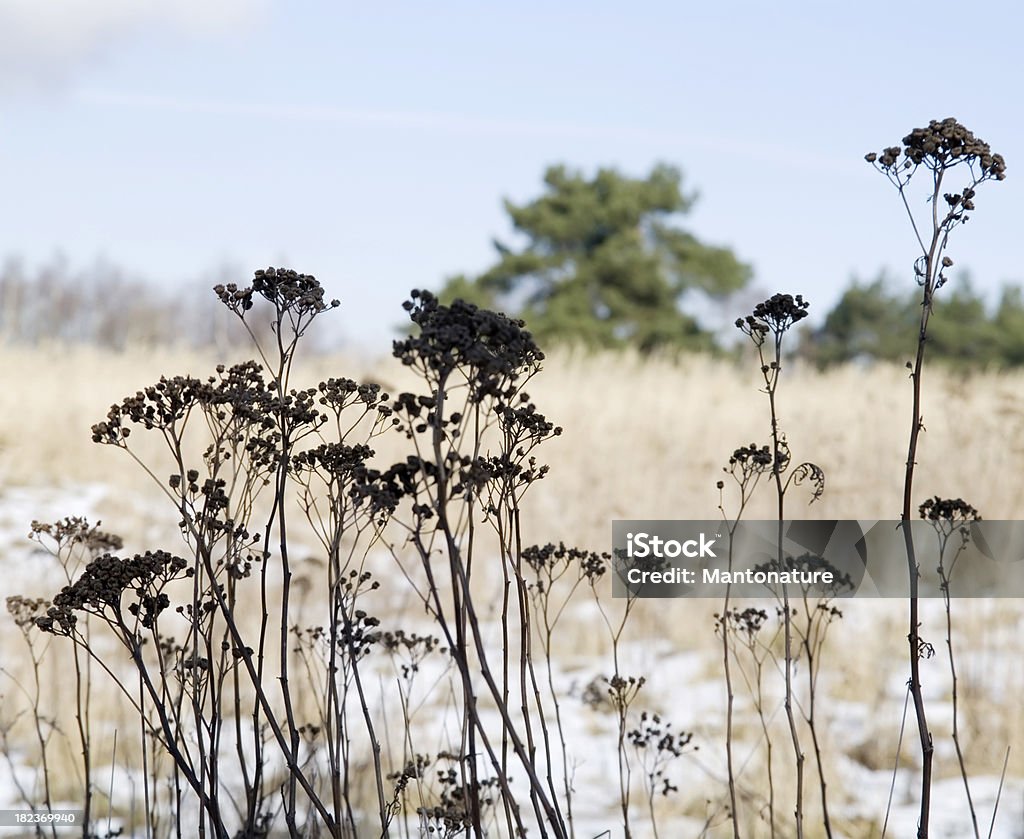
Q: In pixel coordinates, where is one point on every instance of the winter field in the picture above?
(643, 439)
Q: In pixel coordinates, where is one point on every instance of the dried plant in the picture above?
(746, 467)
(951, 518)
(279, 707)
(657, 745)
(766, 327)
(550, 564)
(954, 159)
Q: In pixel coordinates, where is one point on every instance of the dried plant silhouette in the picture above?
(954, 159)
(265, 719)
(766, 327)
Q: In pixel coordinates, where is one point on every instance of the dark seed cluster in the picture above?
(953, 510)
(450, 818)
(158, 406)
(340, 393)
(411, 648)
(655, 739)
(752, 457)
(75, 530)
(527, 424)
(941, 143)
(414, 769)
(548, 559)
(26, 610)
(748, 622)
(100, 588)
(360, 633)
(341, 462)
(776, 314)
(291, 292)
(491, 349)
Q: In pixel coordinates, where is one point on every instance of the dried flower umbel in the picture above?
(944, 148)
(474, 363)
(656, 746)
(776, 315)
(767, 326)
(296, 296)
(951, 517)
(939, 144)
(258, 432)
(101, 588)
(496, 351)
(957, 163)
(955, 511)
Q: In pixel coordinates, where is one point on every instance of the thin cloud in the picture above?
(464, 124)
(430, 120)
(43, 43)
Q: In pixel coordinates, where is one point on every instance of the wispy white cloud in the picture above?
(44, 42)
(414, 119)
(453, 123)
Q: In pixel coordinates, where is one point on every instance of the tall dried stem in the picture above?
(942, 149)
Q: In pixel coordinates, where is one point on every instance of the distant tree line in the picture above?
(600, 262)
(107, 307)
(872, 321)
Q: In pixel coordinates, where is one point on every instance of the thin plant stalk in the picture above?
(949, 517)
(941, 147)
(746, 466)
(776, 316)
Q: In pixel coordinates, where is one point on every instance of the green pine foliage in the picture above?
(604, 263)
(876, 321)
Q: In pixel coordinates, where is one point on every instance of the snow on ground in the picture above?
(685, 686)
(24, 567)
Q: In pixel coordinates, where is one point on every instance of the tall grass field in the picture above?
(619, 706)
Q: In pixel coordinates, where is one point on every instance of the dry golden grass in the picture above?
(643, 439)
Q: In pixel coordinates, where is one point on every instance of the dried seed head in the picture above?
(939, 145)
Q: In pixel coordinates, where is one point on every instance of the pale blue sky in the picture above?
(372, 144)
